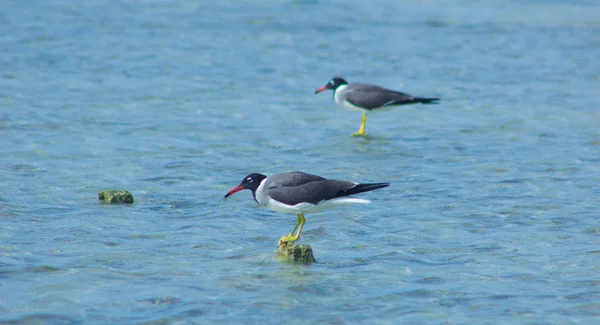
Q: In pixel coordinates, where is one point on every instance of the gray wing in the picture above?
(292, 179)
(371, 96)
(297, 187)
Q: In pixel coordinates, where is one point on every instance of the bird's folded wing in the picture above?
(375, 97)
(309, 192)
(292, 179)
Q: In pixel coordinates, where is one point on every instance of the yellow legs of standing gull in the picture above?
(299, 225)
(361, 131)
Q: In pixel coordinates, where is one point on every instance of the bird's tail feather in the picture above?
(361, 188)
(426, 100)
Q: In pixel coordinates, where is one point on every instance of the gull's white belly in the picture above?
(312, 208)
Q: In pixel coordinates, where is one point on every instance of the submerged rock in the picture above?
(296, 253)
(115, 196)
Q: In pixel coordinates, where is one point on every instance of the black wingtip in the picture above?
(370, 187)
(427, 100)
(360, 188)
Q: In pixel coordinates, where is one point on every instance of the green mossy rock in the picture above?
(296, 253)
(115, 196)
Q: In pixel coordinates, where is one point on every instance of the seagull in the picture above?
(367, 98)
(299, 193)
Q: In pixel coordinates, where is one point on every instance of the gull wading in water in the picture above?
(369, 98)
(299, 193)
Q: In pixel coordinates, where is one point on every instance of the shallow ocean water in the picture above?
(491, 216)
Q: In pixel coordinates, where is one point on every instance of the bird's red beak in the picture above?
(321, 89)
(233, 191)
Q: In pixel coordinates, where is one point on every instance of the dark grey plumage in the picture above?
(371, 97)
(298, 187)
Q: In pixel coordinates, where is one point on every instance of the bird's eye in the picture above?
(248, 179)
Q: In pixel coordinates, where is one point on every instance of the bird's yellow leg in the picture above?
(361, 131)
(291, 236)
(298, 221)
(299, 226)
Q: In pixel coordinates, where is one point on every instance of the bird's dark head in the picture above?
(334, 83)
(250, 182)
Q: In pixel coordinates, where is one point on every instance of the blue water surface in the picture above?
(492, 216)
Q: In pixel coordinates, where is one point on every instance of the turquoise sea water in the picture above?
(492, 216)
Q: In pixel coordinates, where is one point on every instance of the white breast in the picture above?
(261, 195)
(338, 96)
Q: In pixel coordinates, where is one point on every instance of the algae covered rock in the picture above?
(296, 253)
(115, 196)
